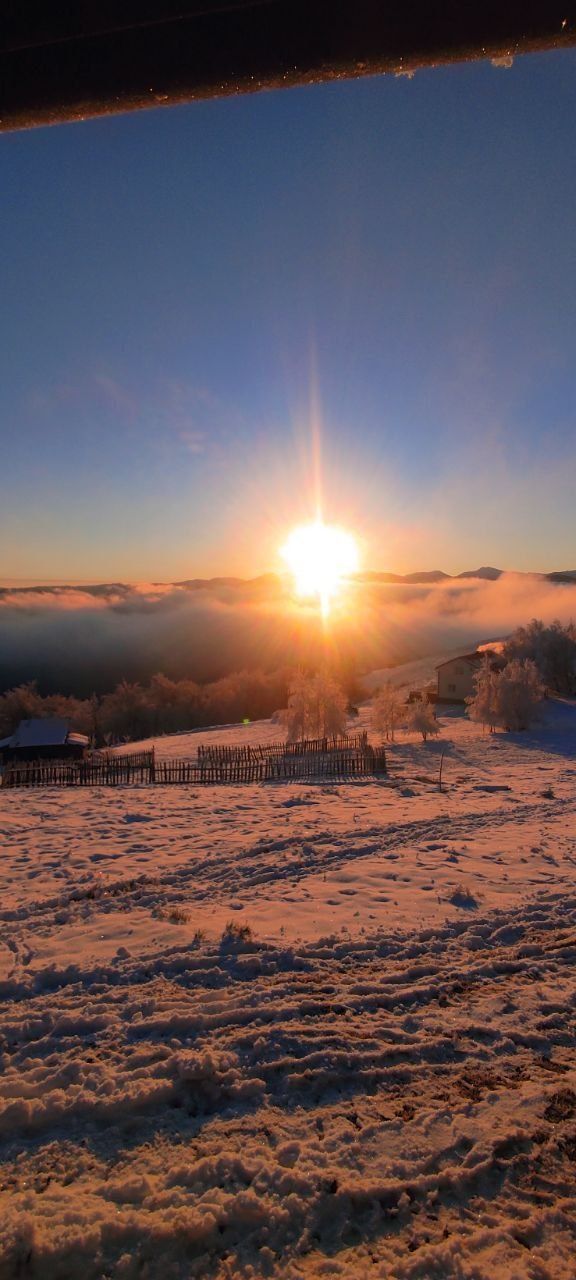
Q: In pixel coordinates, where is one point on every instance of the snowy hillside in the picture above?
(371, 1074)
(408, 675)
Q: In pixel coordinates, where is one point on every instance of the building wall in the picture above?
(456, 680)
(63, 751)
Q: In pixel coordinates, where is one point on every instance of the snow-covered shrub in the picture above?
(316, 706)
(420, 717)
(508, 699)
(388, 710)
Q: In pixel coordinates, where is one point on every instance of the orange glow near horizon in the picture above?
(319, 556)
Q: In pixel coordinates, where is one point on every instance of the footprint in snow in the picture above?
(492, 786)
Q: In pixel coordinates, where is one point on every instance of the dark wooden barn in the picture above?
(43, 740)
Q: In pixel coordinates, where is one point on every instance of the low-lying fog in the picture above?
(80, 639)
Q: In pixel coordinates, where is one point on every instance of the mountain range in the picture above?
(486, 571)
(270, 582)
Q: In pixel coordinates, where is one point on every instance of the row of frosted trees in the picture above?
(537, 659)
(133, 710)
(503, 699)
(316, 703)
(317, 708)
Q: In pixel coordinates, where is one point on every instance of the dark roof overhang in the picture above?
(62, 61)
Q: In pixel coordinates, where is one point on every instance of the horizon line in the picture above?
(26, 583)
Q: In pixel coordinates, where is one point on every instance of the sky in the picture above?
(209, 313)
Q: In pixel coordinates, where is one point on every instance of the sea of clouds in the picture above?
(78, 639)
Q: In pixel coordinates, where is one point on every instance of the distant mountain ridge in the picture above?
(272, 581)
(486, 571)
(562, 575)
(433, 575)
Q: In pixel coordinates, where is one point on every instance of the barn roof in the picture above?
(42, 733)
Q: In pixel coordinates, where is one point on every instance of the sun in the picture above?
(319, 556)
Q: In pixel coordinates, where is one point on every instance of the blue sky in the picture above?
(191, 297)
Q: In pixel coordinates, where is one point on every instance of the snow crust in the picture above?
(379, 1081)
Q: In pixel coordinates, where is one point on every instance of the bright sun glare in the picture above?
(319, 556)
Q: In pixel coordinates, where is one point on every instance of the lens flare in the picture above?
(319, 556)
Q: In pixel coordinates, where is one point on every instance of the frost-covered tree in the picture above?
(18, 704)
(420, 717)
(388, 710)
(552, 648)
(519, 692)
(331, 703)
(25, 703)
(316, 706)
(295, 716)
(508, 699)
(481, 705)
(126, 712)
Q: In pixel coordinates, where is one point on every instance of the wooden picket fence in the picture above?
(142, 759)
(367, 762)
(208, 773)
(143, 767)
(335, 764)
(95, 771)
(282, 750)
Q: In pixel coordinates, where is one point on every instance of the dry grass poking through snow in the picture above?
(393, 1107)
(294, 1032)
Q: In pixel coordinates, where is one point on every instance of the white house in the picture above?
(456, 675)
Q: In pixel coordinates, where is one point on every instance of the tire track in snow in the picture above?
(315, 852)
(404, 1096)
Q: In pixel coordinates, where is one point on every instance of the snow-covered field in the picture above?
(377, 1080)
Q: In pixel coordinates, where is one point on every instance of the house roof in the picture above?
(43, 733)
(496, 659)
(462, 657)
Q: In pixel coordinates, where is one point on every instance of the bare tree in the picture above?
(481, 705)
(388, 710)
(316, 707)
(421, 718)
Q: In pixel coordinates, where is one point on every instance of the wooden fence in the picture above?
(350, 762)
(210, 773)
(139, 759)
(282, 750)
(95, 771)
